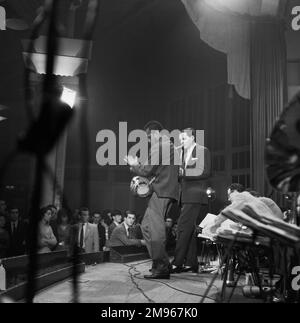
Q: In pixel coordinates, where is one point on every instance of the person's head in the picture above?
(84, 213)
(175, 227)
(129, 219)
(116, 216)
(53, 211)
(97, 218)
(153, 129)
(14, 214)
(234, 189)
(169, 222)
(3, 207)
(187, 137)
(2, 221)
(45, 214)
(63, 217)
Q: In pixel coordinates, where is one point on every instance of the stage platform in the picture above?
(124, 283)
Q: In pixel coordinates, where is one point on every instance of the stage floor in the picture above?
(124, 283)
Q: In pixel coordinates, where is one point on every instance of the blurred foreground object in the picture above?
(283, 149)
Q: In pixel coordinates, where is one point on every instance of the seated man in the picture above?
(239, 199)
(122, 235)
(117, 219)
(235, 196)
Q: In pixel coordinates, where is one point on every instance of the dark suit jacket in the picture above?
(165, 171)
(119, 238)
(102, 238)
(193, 183)
(111, 228)
(18, 239)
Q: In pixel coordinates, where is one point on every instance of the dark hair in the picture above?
(52, 206)
(14, 208)
(43, 210)
(190, 132)
(153, 125)
(127, 212)
(83, 209)
(61, 213)
(236, 187)
(115, 212)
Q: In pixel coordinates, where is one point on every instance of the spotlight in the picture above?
(68, 96)
(210, 192)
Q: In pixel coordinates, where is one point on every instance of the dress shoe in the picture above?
(158, 276)
(176, 270)
(186, 269)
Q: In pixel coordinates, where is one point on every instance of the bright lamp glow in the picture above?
(68, 96)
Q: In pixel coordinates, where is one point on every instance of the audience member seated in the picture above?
(46, 238)
(53, 221)
(117, 219)
(235, 196)
(170, 235)
(63, 230)
(4, 237)
(85, 234)
(75, 216)
(102, 227)
(17, 230)
(123, 235)
(136, 227)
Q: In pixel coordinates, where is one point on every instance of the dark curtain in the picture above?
(268, 91)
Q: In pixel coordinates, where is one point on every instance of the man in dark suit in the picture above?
(117, 219)
(124, 235)
(98, 221)
(17, 232)
(196, 167)
(162, 167)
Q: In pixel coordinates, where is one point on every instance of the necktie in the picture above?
(81, 236)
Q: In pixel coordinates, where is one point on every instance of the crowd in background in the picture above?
(61, 229)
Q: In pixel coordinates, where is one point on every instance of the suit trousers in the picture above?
(154, 232)
(186, 244)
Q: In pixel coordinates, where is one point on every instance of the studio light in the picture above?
(210, 192)
(68, 96)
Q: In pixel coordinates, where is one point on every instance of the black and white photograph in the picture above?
(149, 155)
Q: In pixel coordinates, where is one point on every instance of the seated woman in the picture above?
(46, 238)
(63, 229)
